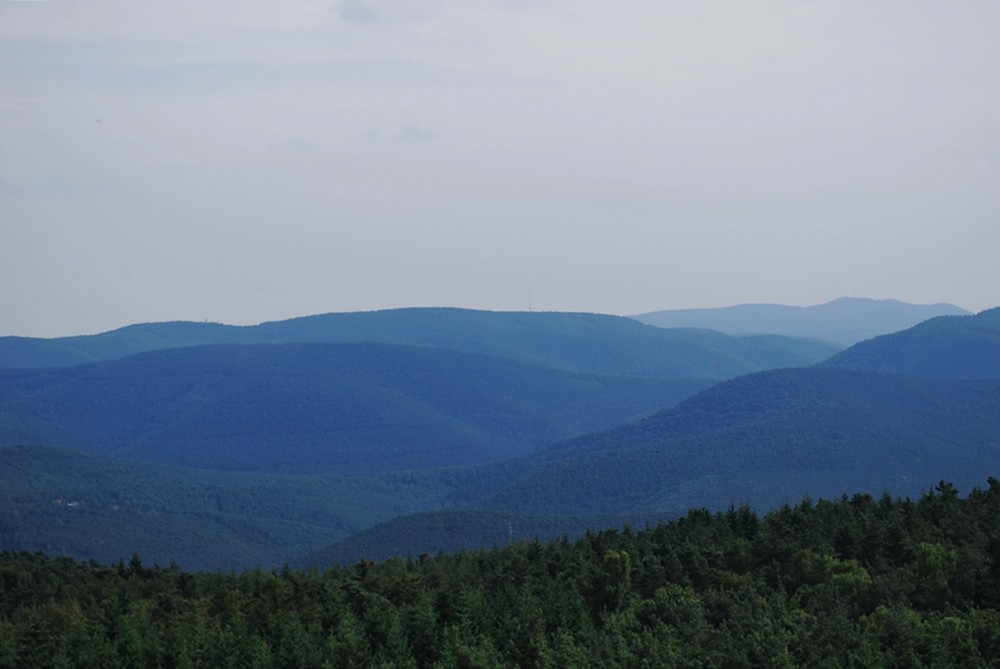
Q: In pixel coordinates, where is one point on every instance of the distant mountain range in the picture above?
(586, 343)
(413, 431)
(842, 322)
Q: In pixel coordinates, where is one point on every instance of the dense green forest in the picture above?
(858, 582)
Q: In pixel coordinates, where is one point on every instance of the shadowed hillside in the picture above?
(770, 437)
(90, 507)
(343, 408)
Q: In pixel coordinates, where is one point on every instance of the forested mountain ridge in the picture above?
(577, 342)
(857, 582)
(843, 321)
(770, 437)
(358, 408)
(948, 347)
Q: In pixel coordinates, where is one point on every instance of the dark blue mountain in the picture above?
(770, 437)
(348, 408)
(70, 503)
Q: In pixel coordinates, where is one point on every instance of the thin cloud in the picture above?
(358, 11)
(413, 132)
(384, 11)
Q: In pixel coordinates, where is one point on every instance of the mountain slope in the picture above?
(843, 322)
(770, 437)
(586, 343)
(948, 347)
(90, 507)
(345, 408)
(455, 530)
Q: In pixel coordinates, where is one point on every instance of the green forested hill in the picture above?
(771, 437)
(949, 347)
(342, 408)
(586, 343)
(859, 582)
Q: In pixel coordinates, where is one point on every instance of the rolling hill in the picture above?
(771, 437)
(358, 408)
(763, 439)
(585, 343)
(841, 322)
(948, 347)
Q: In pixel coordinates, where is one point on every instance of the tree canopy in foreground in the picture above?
(857, 582)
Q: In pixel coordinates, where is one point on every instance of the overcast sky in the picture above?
(243, 161)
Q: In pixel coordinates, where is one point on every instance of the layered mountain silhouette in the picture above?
(547, 423)
(895, 413)
(842, 322)
(766, 439)
(587, 343)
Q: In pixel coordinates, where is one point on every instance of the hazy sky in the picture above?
(250, 160)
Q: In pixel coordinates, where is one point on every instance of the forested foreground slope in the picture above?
(858, 582)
